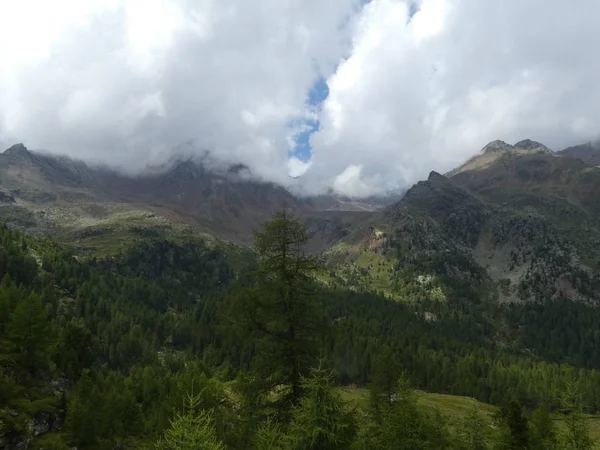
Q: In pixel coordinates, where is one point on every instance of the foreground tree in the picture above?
(514, 427)
(279, 314)
(403, 424)
(544, 435)
(192, 430)
(384, 380)
(577, 436)
(322, 420)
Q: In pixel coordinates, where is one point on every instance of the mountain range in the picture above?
(481, 282)
(69, 199)
(514, 222)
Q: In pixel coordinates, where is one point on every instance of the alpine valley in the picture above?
(120, 298)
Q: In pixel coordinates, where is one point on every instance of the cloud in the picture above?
(297, 167)
(426, 92)
(412, 86)
(124, 82)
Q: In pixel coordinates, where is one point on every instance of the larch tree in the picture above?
(279, 314)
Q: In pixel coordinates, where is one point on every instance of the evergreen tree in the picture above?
(384, 379)
(404, 425)
(29, 332)
(192, 430)
(544, 435)
(82, 412)
(269, 437)
(577, 436)
(279, 313)
(322, 420)
(514, 427)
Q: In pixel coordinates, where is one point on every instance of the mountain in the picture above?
(496, 150)
(515, 223)
(101, 207)
(495, 263)
(589, 153)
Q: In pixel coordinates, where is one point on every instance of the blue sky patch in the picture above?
(316, 96)
(413, 8)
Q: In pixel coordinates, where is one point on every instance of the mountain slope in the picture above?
(515, 223)
(98, 207)
(589, 153)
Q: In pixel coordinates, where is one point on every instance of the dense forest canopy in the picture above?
(169, 345)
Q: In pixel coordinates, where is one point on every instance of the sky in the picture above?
(359, 97)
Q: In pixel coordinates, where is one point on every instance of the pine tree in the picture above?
(322, 420)
(385, 375)
(403, 425)
(192, 430)
(29, 332)
(82, 412)
(514, 427)
(279, 313)
(544, 435)
(269, 437)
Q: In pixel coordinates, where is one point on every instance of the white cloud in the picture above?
(297, 167)
(126, 81)
(424, 94)
(352, 183)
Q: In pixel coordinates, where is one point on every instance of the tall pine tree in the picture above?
(279, 314)
(322, 420)
(29, 333)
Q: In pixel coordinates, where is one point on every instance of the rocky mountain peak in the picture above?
(17, 151)
(497, 147)
(433, 175)
(531, 146)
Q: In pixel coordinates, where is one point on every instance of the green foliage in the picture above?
(83, 413)
(29, 333)
(544, 435)
(269, 437)
(50, 442)
(472, 433)
(384, 377)
(279, 313)
(115, 344)
(322, 420)
(514, 426)
(193, 429)
(403, 424)
(577, 436)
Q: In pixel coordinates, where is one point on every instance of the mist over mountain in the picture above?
(589, 153)
(61, 195)
(363, 98)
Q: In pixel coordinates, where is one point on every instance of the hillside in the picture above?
(117, 342)
(458, 408)
(99, 209)
(513, 223)
(493, 267)
(588, 153)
